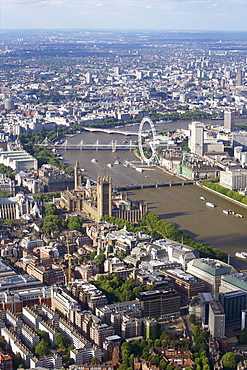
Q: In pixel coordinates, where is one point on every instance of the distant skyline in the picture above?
(211, 15)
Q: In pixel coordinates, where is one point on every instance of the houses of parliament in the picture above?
(100, 199)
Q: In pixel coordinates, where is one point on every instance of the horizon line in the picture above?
(121, 29)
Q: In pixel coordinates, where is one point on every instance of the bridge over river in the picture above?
(113, 145)
(160, 184)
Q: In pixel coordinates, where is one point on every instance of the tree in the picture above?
(100, 259)
(131, 360)
(169, 367)
(42, 334)
(122, 255)
(163, 364)
(155, 359)
(9, 223)
(136, 348)
(229, 360)
(41, 349)
(157, 343)
(197, 360)
(61, 341)
(205, 360)
(195, 330)
(123, 367)
(67, 361)
(7, 171)
(74, 223)
(52, 223)
(50, 209)
(93, 254)
(145, 353)
(164, 342)
(143, 343)
(164, 335)
(192, 318)
(125, 345)
(70, 348)
(3, 344)
(95, 361)
(187, 343)
(3, 194)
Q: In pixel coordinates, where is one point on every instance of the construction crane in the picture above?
(69, 259)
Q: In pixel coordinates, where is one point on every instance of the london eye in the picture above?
(150, 145)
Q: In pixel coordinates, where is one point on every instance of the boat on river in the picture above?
(241, 255)
(209, 204)
(228, 212)
(238, 215)
(202, 198)
(93, 160)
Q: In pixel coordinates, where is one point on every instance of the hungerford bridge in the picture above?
(114, 145)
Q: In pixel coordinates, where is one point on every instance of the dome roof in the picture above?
(116, 260)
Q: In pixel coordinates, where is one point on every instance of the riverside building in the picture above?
(210, 271)
(234, 179)
(98, 200)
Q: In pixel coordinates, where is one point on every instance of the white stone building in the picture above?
(216, 321)
(18, 160)
(14, 208)
(234, 179)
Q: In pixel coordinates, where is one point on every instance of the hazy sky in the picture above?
(125, 14)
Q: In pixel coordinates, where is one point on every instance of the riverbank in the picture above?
(203, 187)
(222, 195)
(171, 173)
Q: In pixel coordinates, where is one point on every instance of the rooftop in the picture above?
(212, 267)
(216, 308)
(239, 279)
(205, 297)
(182, 275)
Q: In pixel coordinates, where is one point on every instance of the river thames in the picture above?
(177, 204)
